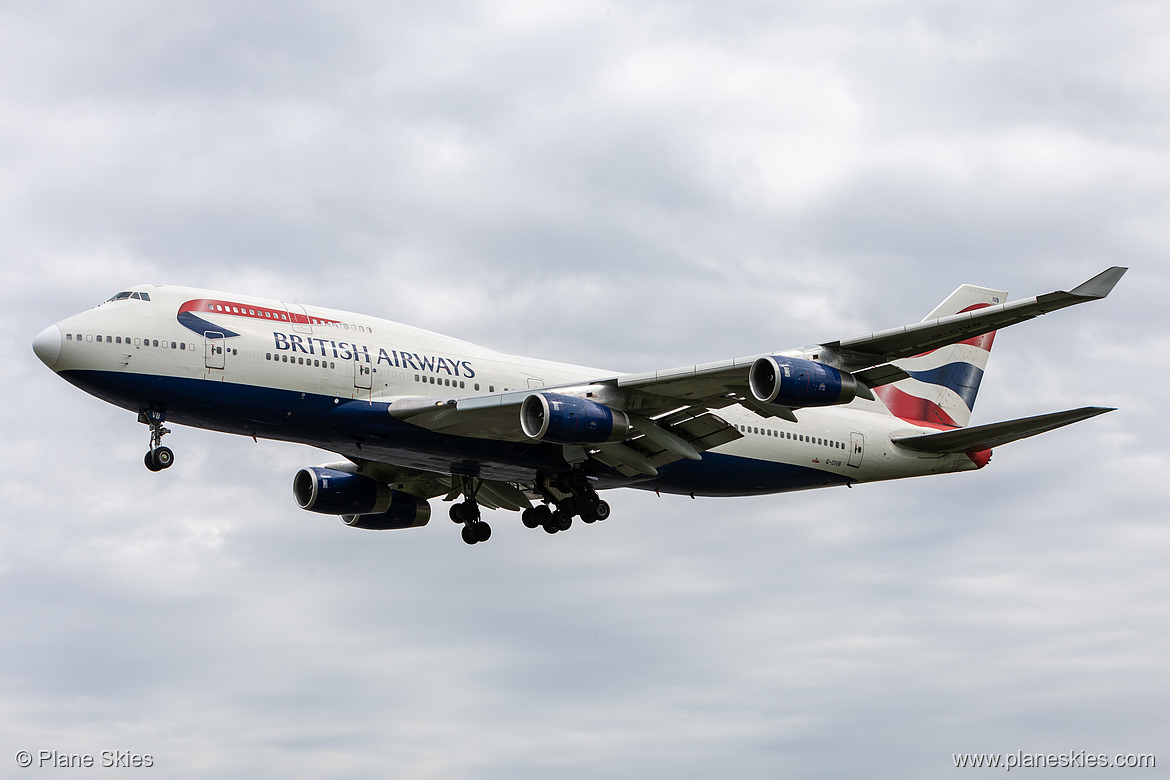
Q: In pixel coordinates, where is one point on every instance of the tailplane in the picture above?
(943, 383)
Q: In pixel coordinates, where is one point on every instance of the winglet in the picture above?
(1101, 284)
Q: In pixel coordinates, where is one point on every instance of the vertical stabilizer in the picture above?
(944, 382)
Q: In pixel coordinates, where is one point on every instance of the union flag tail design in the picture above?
(944, 382)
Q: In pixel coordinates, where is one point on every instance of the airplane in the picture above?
(418, 415)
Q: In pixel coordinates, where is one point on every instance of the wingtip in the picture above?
(1101, 284)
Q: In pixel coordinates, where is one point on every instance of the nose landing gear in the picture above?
(157, 457)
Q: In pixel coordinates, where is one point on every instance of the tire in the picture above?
(530, 518)
(456, 513)
(602, 510)
(163, 457)
(149, 461)
(578, 481)
(562, 520)
(483, 531)
(469, 535)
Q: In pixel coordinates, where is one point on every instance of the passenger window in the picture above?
(331, 364)
(69, 337)
(477, 385)
(155, 342)
(461, 385)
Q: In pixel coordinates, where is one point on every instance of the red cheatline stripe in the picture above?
(251, 311)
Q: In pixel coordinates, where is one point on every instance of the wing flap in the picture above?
(985, 437)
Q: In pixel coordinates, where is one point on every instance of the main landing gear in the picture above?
(157, 457)
(467, 513)
(569, 494)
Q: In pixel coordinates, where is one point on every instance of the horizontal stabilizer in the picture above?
(984, 437)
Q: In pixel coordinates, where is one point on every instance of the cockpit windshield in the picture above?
(136, 296)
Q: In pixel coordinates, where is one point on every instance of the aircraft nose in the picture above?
(47, 345)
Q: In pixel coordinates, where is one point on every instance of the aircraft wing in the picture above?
(872, 351)
(674, 411)
(493, 494)
(984, 437)
(884, 346)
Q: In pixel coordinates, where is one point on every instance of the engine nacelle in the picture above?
(794, 382)
(563, 419)
(362, 502)
(406, 511)
(333, 492)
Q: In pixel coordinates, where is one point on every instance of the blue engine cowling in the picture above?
(406, 511)
(794, 382)
(563, 419)
(362, 502)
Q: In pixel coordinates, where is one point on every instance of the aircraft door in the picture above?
(856, 449)
(213, 355)
(298, 318)
(362, 375)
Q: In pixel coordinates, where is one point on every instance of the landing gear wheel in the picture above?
(456, 513)
(150, 464)
(531, 518)
(563, 520)
(469, 535)
(483, 531)
(163, 457)
(550, 527)
(578, 481)
(601, 510)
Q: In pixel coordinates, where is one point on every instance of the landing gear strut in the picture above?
(569, 494)
(157, 457)
(467, 513)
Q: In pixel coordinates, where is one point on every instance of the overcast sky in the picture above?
(633, 186)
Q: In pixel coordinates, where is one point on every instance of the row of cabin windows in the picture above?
(793, 436)
(301, 361)
(441, 381)
(267, 356)
(450, 382)
(138, 342)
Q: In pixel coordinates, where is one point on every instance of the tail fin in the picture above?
(944, 382)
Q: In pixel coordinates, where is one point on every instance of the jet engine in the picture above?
(563, 419)
(794, 383)
(362, 502)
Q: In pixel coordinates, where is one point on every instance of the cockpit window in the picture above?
(122, 296)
